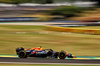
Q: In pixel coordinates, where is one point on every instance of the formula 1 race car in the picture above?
(40, 52)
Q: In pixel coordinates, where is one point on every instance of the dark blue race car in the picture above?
(40, 52)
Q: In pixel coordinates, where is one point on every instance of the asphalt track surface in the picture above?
(48, 61)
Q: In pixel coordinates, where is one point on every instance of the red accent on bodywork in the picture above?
(66, 54)
(32, 52)
(28, 49)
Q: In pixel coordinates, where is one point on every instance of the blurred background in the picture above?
(49, 10)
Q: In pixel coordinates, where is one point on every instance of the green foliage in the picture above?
(49, 1)
(67, 11)
(5, 1)
(14, 1)
(19, 1)
(26, 1)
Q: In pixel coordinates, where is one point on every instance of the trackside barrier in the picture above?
(74, 30)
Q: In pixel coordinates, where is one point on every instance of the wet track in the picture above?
(48, 61)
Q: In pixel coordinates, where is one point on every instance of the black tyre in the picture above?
(62, 54)
(19, 49)
(22, 54)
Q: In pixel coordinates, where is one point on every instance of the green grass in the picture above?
(21, 27)
(15, 36)
(40, 65)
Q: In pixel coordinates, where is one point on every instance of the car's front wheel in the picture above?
(62, 54)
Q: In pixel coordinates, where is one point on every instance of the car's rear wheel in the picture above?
(22, 54)
(19, 49)
(62, 54)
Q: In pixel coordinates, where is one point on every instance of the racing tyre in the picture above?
(19, 49)
(62, 54)
(22, 54)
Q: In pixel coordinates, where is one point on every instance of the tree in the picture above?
(67, 11)
(49, 1)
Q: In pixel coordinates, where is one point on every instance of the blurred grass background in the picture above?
(13, 36)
